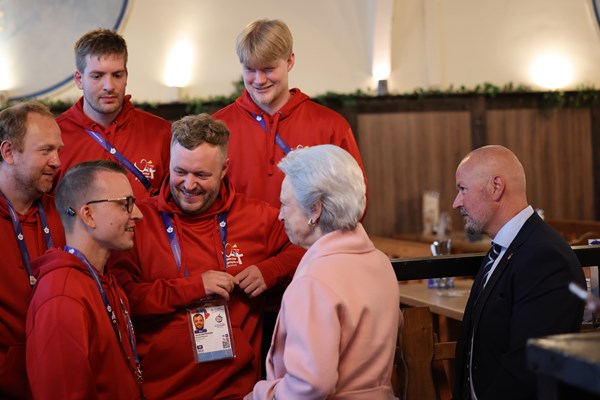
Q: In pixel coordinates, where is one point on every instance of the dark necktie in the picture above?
(489, 261)
(491, 257)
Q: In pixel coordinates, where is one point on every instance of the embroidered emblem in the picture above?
(233, 255)
(146, 167)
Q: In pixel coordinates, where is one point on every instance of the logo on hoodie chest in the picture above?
(146, 167)
(233, 255)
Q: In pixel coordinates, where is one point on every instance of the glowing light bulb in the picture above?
(552, 71)
(178, 71)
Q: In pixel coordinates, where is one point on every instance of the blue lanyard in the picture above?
(222, 219)
(137, 370)
(176, 249)
(278, 139)
(21, 238)
(112, 150)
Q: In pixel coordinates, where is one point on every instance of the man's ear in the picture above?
(6, 150)
(77, 77)
(499, 185)
(291, 61)
(86, 214)
(225, 168)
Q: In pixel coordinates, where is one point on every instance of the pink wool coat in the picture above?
(336, 332)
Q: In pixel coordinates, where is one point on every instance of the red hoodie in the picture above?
(15, 290)
(253, 153)
(72, 349)
(144, 139)
(159, 294)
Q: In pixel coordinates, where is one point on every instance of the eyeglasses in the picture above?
(129, 202)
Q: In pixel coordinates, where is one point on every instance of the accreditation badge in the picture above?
(210, 329)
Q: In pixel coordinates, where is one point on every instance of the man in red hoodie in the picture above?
(201, 242)
(80, 340)
(105, 124)
(29, 225)
(269, 119)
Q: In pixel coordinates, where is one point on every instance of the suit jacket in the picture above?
(527, 296)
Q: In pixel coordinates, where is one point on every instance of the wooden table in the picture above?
(448, 302)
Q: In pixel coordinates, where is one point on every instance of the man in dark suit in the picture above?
(520, 291)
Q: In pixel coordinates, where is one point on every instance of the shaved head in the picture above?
(491, 187)
(492, 160)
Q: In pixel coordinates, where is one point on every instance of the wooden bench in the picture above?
(419, 373)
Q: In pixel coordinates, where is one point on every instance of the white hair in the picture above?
(329, 174)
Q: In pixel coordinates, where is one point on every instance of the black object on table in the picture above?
(567, 366)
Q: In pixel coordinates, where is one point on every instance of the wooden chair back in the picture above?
(418, 372)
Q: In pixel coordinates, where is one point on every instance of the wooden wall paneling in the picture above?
(406, 154)
(377, 147)
(556, 152)
(478, 121)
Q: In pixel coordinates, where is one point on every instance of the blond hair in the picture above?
(264, 40)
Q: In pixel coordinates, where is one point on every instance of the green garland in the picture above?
(583, 96)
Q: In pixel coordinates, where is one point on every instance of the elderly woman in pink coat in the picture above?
(336, 331)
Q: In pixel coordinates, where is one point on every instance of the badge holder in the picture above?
(210, 329)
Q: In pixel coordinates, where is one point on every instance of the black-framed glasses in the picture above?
(129, 202)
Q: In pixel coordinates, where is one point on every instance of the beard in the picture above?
(199, 205)
(32, 186)
(472, 225)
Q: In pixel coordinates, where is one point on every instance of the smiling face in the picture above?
(199, 321)
(195, 176)
(267, 82)
(37, 163)
(103, 82)
(114, 224)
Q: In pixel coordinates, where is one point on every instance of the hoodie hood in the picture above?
(271, 121)
(55, 259)
(246, 102)
(33, 220)
(76, 115)
(32, 216)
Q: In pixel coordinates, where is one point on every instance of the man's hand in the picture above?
(219, 283)
(251, 281)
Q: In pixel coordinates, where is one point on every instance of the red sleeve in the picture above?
(161, 296)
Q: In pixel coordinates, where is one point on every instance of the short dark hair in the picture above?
(77, 183)
(99, 42)
(13, 121)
